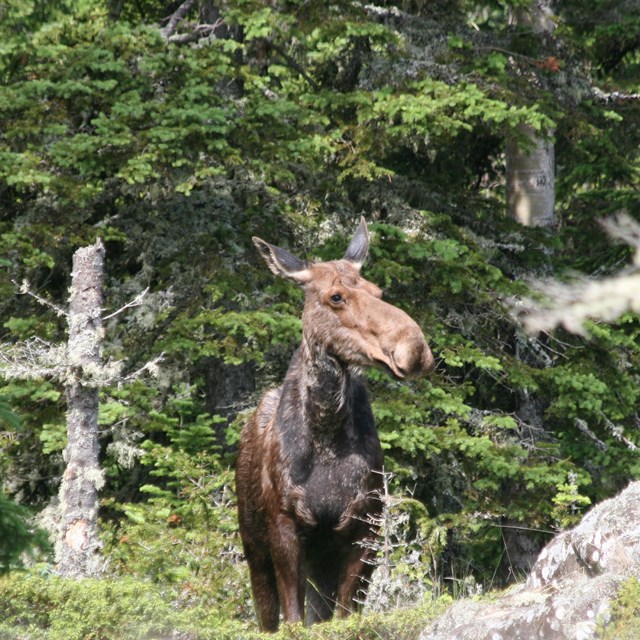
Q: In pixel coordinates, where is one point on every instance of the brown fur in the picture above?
(310, 459)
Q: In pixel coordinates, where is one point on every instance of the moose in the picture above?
(309, 465)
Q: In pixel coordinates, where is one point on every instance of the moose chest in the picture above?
(326, 470)
(337, 489)
(330, 483)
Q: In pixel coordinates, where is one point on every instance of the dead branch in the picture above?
(613, 96)
(198, 32)
(624, 228)
(617, 431)
(175, 19)
(152, 368)
(136, 302)
(36, 358)
(25, 289)
(292, 63)
(32, 359)
(572, 304)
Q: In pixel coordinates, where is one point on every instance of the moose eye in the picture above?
(336, 298)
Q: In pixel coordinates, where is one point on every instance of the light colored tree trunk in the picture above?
(530, 179)
(77, 548)
(530, 161)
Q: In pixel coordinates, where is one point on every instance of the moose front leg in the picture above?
(286, 552)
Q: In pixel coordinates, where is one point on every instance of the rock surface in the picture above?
(570, 587)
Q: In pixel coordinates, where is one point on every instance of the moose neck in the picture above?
(326, 389)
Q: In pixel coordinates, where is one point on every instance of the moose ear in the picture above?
(359, 245)
(282, 263)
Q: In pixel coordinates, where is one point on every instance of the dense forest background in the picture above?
(176, 131)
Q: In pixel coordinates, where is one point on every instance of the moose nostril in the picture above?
(401, 371)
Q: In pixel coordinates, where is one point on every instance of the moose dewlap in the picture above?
(310, 459)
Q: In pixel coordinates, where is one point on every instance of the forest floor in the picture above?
(49, 608)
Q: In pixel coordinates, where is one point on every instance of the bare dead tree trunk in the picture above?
(78, 544)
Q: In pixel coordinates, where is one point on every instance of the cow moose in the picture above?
(309, 462)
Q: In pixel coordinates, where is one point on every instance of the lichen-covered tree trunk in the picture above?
(77, 548)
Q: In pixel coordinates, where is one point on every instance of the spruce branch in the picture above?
(399, 577)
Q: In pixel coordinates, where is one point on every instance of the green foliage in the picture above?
(54, 609)
(406, 624)
(569, 502)
(184, 534)
(625, 613)
(19, 540)
(50, 608)
(290, 124)
(7, 417)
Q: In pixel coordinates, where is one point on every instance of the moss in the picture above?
(52, 608)
(625, 614)
(403, 624)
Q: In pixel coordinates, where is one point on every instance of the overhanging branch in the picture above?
(572, 304)
(174, 20)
